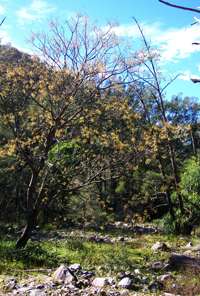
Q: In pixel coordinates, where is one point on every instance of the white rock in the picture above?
(125, 293)
(137, 271)
(37, 292)
(75, 267)
(63, 275)
(164, 277)
(189, 245)
(59, 274)
(159, 246)
(68, 278)
(125, 283)
(111, 281)
(100, 282)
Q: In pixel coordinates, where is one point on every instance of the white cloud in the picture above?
(175, 43)
(4, 37)
(36, 11)
(187, 76)
(2, 9)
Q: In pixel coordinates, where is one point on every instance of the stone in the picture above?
(189, 245)
(187, 253)
(157, 265)
(69, 278)
(111, 281)
(125, 293)
(164, 277)
(100, 282)
(125, 283)
(37, 292)
(62, 274)
(121, 239)
(75, 267)
(40, 286)
(144, 280)
(87, 274)
(59, 274)
(11, 284)
(137, 271)
(155, 286)
(159, 246)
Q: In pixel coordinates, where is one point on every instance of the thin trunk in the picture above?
(176, 178)
(34, 202)
(168, 196)
(31, 222)
(193, 142)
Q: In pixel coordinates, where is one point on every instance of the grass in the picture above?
(105, 259)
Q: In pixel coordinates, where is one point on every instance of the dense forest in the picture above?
(88, 136)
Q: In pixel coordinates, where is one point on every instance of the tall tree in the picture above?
(41, 102)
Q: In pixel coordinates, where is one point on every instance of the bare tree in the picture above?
(152, 78)
(87, 51)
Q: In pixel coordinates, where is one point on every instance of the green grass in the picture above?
(104, 258)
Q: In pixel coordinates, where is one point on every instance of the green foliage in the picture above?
(87, 208)
(121, 186)
(35, 255)
(168, 224)
(64, 153)
(190, 179)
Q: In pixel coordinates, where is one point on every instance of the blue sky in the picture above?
(169, 29)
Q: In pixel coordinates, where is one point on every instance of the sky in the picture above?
(168, 29)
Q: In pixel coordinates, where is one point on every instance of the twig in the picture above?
(2, 21)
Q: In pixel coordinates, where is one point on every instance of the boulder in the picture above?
(62, 274)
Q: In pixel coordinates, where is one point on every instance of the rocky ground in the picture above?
(159, 278)
(74, 280)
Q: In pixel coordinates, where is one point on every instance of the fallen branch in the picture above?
(33, 270)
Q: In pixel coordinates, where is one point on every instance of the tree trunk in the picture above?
(176, 178)
(31, 222)
(193, 142)
(31, 212)
(34, 198)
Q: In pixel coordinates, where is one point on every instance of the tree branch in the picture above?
(180, 7)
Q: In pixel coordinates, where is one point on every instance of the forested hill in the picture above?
(9, 54)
